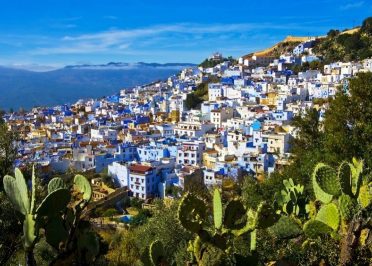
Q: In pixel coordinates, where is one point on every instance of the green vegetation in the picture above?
(200, 94)
(346, 47)
(59, 216)
(207, 63)
(314, 65)
(8, 151)
(316, 211)
(283, 47)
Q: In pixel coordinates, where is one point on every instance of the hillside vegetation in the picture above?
(212, 62)
(346, 46)
(282, 47)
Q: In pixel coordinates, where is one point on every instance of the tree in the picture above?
(348, 122)
(333, 33)
(2, 112)
(164, 226)
(367, 26)
(8, 151)
(307, 149)
(309, 135)
(192, 101)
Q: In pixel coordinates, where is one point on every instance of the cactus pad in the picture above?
(54, 202)
(286, 227)
(266, 216)
(217, 209)
(212, 256)
(347, 207)
(365, 195)
(328, 214)
(314, 228)
(320, 194)
(29, 231)
(156, 253)
(33, 190)
(234, 217)
(55, 232)
(345, 178)
(191, 212)
(327, 179)
(16, 189)
(56, 183)
(83, 185)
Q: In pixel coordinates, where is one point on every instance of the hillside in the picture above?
(349, 45)
(346, 45)
(288, 44)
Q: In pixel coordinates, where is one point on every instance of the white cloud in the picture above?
(111, 17)
(159, 36)
(352, 5)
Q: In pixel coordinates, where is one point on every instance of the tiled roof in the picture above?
(138, 168)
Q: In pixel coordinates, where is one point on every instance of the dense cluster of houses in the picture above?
(146, 139)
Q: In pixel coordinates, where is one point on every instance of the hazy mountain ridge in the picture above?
(119, 65)
(24, 88)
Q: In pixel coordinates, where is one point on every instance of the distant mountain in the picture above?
(120, 65)
(23, 88)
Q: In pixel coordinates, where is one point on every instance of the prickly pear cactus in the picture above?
(347, 207)
(84, 187)
(327, 179)
(55, 232)
(345, 178)
(285, 227)
(356, 172)
(314, 228)
(56, 183)
(266, 216)
(192, 213)
(235, 215)
(213, 256)
(217, 209)
(16, 189)
(156, 253)
(291, 200)
(365, 195)
(54, 202)
(320, 194)
(213, 244)
(329, 215)
(29, 231)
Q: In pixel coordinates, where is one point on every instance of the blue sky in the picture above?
(51, 32)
